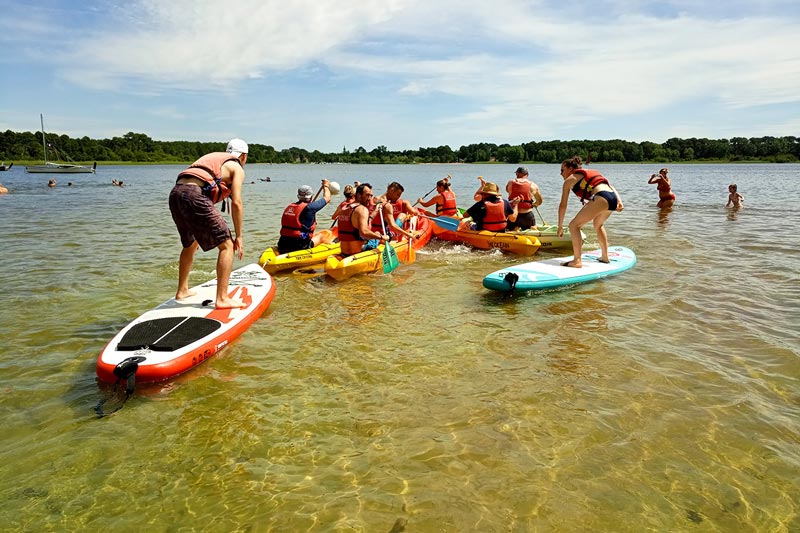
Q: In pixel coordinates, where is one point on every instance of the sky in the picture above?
(333, 74)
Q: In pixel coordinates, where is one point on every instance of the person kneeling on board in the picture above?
(300, 219)
(355, 234)
(211, 179)
(492, 210)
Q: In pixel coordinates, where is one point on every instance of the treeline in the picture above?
(139, 148)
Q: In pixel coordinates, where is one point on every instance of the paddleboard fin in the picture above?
(511, 278)
(125, 370)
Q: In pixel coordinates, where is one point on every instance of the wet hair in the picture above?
(732, 186)
(360, 188)
(573, 162)
(444, 184)
(395, 185)
(349, 191)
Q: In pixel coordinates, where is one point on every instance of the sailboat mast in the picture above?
(44, 143)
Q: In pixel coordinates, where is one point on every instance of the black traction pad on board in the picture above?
(167, 334)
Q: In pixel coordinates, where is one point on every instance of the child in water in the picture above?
(735, 199)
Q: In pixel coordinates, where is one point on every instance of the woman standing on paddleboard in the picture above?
(600, 199)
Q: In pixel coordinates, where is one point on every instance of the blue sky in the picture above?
(327, 74)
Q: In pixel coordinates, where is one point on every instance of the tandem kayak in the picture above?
(515, 243)
(273, 262)
(341, 268)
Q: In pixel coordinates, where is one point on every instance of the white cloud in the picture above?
(516, 68)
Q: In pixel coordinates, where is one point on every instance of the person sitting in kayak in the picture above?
(354, 228)
(600, 200)
(492, 210)
(395, 212)
(531, 198)
(349, 197)
(665, 195)
(300, 219)
(445, 201)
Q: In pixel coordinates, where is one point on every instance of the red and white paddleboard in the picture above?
(177, 336)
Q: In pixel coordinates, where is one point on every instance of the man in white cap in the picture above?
(300, 219)
(212, 178)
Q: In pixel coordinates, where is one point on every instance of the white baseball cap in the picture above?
(237, 147)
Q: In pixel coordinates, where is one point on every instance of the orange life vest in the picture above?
(397, 208)
(495, 218)
(290, 222)
(449, 206)
(348, 232)
(521, 189)
(584, 188)
(209, 169)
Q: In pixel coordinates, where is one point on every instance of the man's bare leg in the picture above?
(184, 267)
(224, 267)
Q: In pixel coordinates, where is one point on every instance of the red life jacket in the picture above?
(348, 232)
(449, 206)
(495, 218)
(397, 208)
(521, 189)
(290, 222)
(584, 188)
(209, 169)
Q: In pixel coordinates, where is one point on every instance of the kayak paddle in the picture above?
(389, 254)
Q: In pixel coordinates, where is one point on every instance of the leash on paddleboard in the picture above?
(125, 370)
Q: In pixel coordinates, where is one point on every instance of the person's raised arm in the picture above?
(477, 196)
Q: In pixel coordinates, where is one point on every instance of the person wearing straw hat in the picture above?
(492, 210)
(211, 179)
(300, 219)
(530, 196)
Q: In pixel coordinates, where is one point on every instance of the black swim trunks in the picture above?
(196, 217)
(292, 244)
(524, 221)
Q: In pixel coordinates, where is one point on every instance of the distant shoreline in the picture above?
(21, 164)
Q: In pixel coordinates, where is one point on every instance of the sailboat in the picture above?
(57, 168)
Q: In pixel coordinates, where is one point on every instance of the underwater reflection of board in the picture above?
(551, 273)
(178, 335)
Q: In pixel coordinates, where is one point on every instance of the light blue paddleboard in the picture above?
(550, 273)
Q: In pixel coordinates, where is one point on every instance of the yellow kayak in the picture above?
(273, 262)
(341, 268)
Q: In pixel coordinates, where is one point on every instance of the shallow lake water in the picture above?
(665, 398)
